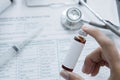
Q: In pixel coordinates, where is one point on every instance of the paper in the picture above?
(42, 58)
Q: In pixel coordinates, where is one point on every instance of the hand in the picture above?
(105, 55)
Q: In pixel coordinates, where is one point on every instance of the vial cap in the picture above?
(82, 33)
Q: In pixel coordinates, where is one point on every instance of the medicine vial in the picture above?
(75, 51)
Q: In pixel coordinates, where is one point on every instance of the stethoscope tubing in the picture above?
(107, 24)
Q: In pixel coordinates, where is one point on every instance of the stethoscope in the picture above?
(72, 19)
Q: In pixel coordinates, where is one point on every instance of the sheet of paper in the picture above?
(42, 58)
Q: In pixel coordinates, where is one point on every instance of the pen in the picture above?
(15, 49)
(4, 4)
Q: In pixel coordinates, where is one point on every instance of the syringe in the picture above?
(15, 49)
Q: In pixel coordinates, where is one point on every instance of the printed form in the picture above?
(42, 58)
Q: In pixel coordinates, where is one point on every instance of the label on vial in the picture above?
(73, 55)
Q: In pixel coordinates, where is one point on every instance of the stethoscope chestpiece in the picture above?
(71, 18)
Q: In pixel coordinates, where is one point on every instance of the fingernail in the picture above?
(85, 27)
(83, 69)
(64, 74)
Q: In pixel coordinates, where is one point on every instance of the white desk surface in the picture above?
(42, 58)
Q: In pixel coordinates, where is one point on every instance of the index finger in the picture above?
(101, 38)
(109, 50)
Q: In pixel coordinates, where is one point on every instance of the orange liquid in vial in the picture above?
(80, 39)
(68, 69)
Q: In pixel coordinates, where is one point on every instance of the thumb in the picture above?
(70, 75)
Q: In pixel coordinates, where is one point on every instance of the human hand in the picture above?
(106, 54)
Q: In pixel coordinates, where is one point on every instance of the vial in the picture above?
(74, 52)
